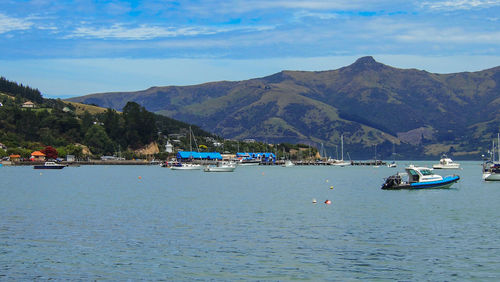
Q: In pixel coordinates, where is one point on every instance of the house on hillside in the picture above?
(28, 105)
(15, 158)
(37, 156)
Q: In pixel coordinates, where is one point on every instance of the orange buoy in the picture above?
(328, 202)
(140, 177)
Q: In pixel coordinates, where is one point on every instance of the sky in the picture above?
(79, 47)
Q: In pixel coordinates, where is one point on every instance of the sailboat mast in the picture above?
(342, 145)
(498, 147)
(190, 145)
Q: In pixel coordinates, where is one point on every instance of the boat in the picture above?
(393, 163)
(446, 163)
(491, 169)
(418, 178)
(185, 166)
(341, 162)
(288, 163)
(249, 161)
(49, 165)
(221, 167)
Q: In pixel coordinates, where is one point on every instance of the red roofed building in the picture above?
(38, 156)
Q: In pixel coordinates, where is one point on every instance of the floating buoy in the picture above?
(328, 202)
(327, 181)
(140, 177)
(314, 201)
(331, 187)
(40, 173)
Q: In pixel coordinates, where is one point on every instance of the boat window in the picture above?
(426, 172)
(412, 172)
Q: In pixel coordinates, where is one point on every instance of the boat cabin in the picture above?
(421, 174)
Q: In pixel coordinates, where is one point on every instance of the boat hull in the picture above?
(186, 167)
(453, 166)
(491, 176)
(48, 167)
(220, 169)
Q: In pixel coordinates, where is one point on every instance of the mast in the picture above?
(498, 142)
(342, 145)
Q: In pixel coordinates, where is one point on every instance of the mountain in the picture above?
(372, 104)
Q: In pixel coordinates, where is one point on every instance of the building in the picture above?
(189, 156)
(37, 156)
(28, 104)
(169, 148)
(15, 158)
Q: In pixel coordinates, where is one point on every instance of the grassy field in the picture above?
(81, 108)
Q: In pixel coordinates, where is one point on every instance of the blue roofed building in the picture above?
(189, 156)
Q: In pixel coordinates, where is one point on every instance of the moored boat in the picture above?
(491, 168)
(418, 178)
(491, 171)
(220, 167)
(185, 166)
(49, 165)
(446, 163)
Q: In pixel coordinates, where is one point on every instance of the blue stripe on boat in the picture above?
(446, 180)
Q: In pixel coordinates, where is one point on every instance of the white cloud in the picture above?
(460, 4)
(450, 35)
(145, 32)
(8, 24)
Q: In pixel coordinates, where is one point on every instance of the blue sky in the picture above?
(72, 48)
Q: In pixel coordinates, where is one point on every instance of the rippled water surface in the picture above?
(258, 223)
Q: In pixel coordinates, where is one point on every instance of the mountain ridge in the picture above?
(369, 102)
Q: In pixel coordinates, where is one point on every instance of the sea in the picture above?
(257, 223)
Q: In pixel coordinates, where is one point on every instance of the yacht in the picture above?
(446, 163)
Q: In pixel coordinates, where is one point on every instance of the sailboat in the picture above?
(393, 163)
(341, 162)
(491, 169)
(188, 166)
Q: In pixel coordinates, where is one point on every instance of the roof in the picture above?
(255, 155)
(38, 153)
(14, 156)
(198, 155)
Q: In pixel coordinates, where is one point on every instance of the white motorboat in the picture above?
(220, 167)
(49, 165)
(185, 166)
(288, 163)
(418, 178)
(446, 163)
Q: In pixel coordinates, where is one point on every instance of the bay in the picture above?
(257, 223)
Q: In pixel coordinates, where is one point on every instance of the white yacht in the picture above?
(446, 163)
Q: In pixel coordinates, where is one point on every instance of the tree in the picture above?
(50, 152)
(98, 141)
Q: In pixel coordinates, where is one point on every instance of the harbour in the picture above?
(257, 223)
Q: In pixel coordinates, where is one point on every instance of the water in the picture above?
(257, 223)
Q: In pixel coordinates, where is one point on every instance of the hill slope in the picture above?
(371, 103)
